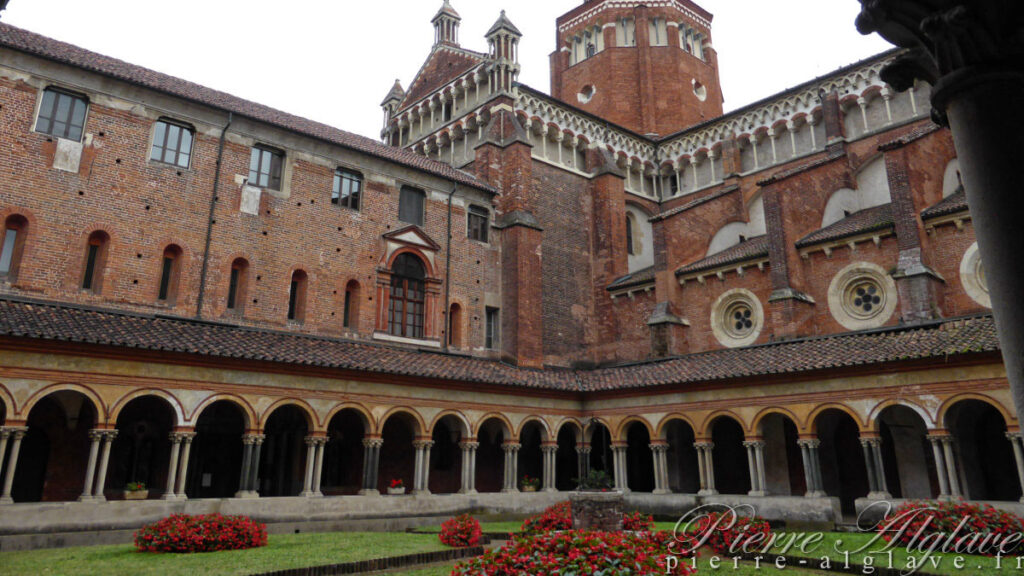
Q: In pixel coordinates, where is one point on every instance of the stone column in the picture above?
(761, 475)
(755, 466)
(186, 438)
(254, 470)
(16, 434)
(952, 469)
(421, 480)
(550, 451)
(172, 466)
(468, 466)
(659, 450)
(5, 433)
(940, 466)
(619, 465)
(95, 437)
(307, 482)
(583, 461)
(876, 470)
(511, 466)
(243, 476)
(706, 461)
(371, 465)
(1018, 456)
(814, 450)
(318, 467)
(101, 471)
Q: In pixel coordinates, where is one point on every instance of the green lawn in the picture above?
(283, 551)
(515, 525)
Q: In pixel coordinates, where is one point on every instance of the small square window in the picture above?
(478, 223)
(62, 115)
(265, 167)
(410, 206)
(348, 186)
(172, 144)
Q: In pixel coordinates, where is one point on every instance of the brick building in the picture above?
(782, 305)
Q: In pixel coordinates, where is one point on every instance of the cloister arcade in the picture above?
(71, 446)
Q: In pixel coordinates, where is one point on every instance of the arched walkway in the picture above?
(531, 458)
(283, 459)
(907, 454)
(732, 474)
(784, 467)
(490, 458)
(843, 472)
(216, 458)
(601, 449)
(567, 470)
(54, 454)
(987, 467)
(343, 453)
(639, 459)
(683, 469)
(446, 455)
(397, 454)
(141, 451)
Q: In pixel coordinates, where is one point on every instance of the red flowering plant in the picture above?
(637, 522)
(396, 483)
(182, 533)
(578, 552)
(724, 532)
(967, 528)
(461, 532)
(557, 517)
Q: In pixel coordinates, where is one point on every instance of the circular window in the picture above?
(699, 91)
(862, 296)
(737, 318)
(972, 276)
(586, 94)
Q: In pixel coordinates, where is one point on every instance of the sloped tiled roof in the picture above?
(48, 48)
(694, 203)
(860, 222)
(66, 323)
(756, 247)
(642, 276)
(955, 202)
(444, 64)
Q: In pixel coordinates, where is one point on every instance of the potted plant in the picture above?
(529, 483)
(595, 481)
(396, 486)
(135, 491)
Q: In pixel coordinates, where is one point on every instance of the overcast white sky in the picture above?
(334, 61)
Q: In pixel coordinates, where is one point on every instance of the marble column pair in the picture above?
(549, 451)
(706, 467)
(809, 451)
(421, 476)
(755, 467)
(177, 467)
(511, 470)
(248, 481)
(660, 452)
(620, 467)
(10, 435)
(468, 485)
(1017, 441)
(96, 472)
(946, 468)
(371, 465)
(877, 485)
(314, 465)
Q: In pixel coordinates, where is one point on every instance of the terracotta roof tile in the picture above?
(955, 202)
(860, 222)
(756, 247)
(38, 45)
(642, 276)
(694, 203)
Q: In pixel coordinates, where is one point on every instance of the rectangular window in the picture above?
(172, 144)
(478, 226)
(625, 32)
(233, 288)
(348, 186)
(62, 115)
(7, 251)
(265, 167)
(658, 33)
(165, 277)
(293, 299)
(410, 206)
(492, 339)
(348, 309)
(90, 266)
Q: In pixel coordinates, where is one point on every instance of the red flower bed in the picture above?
(578, 552)
(637, 522)
(201, 533)
(723, 530)
(461, 532)
(984, 528)
(557, 517)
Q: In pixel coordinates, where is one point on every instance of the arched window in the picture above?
(170, 270)
(13, 243)
(95, 261)
(405, 311)
(237, 283)
(630, 246)
(455, 326)
(297, 296)
(351, 318)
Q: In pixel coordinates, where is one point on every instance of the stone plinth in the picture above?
(597, 510)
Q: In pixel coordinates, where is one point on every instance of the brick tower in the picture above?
(647, 66)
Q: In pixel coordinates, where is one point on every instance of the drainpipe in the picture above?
(447, 275)
(209, 220)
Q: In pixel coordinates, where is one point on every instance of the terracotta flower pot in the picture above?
(396, 491)
(530, 488)
(136, 494)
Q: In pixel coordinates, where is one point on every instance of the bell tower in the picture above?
(446, 25)
(651, 69)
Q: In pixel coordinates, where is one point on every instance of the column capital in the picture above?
(511, 446)
(373, 442)
(583, 449)
(178, 437)
(939, 437)
(1013, 435)
(707, 445)
(421, 444)
(549, 447)
(469, 445)
(658, 447)
(753, 444)
(102, 433)
(809, 442)
(871, 441)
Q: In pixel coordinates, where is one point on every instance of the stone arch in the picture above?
(247, 410)
(755, 424)
(97, 402)
(679, 431)
(448, 431)
(844, 473)
(907, 455)
(172, 401)
(531, 436)
(983, 456)
(140, 451)
(420, 424)
(417, 253)
(594, 424)
(285, 426)
(621, 431)
(347, 426)
(545, 429)
(926, 417)
(812, 418)
(568, 435)
(943, 411)
(784, 471)
(464, 424)
(661, 428)
(710, 420)
(726, 430)
(577, 428)
(307, 411)
(369, 425)
(8, 406)
(399, 429)
(637, 435)
(492, 432)
(509, 429)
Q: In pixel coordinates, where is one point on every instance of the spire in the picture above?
(503, 23)
(446, 25)
(396, 95)
(503, 39)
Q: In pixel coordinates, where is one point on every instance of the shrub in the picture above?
(577, 552)
(637, 522)
(596, 480)
(557, 517)
(919, 519)
(201, 533)
(721, 530)
(461, 532)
